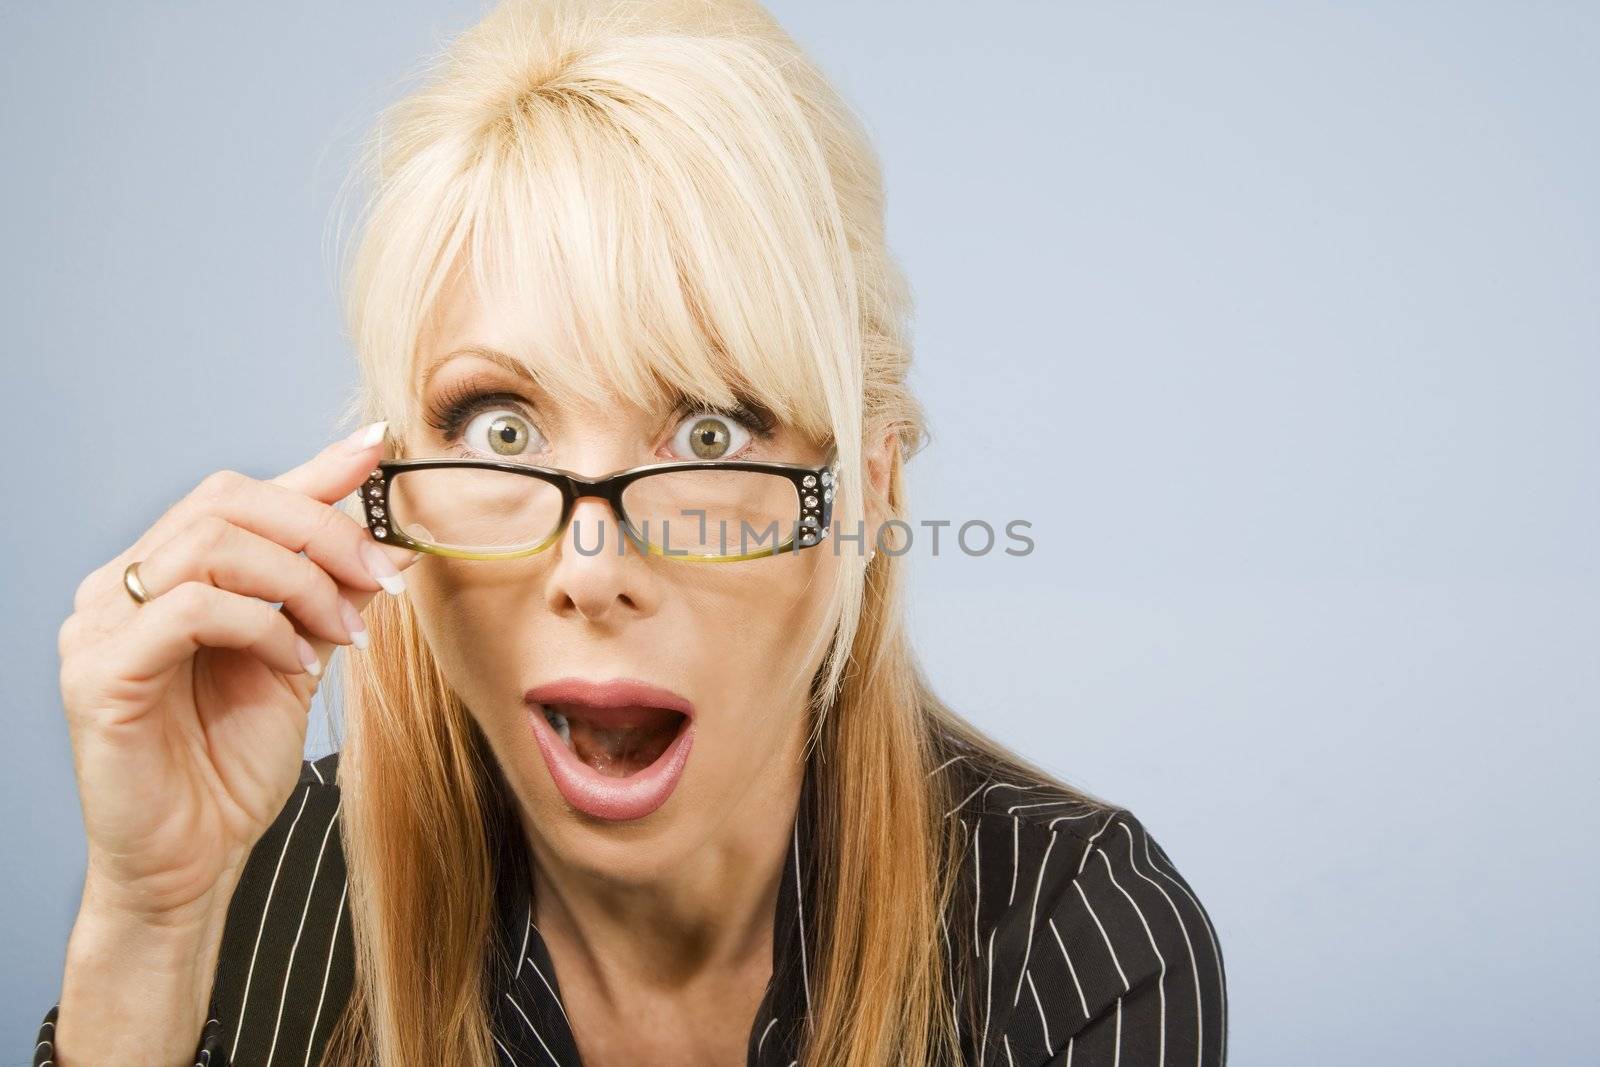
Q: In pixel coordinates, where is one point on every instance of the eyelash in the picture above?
(450, 413)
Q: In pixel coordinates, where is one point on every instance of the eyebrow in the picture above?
(510, 364)
(515, 367)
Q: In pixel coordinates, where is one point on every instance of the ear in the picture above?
(880, 456)
(880, 464)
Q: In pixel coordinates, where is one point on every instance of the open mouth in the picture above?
(615, 741)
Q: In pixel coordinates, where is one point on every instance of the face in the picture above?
(712, 738)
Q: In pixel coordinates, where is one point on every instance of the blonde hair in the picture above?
(673, 189)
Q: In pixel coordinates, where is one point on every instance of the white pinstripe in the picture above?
(1194, 966)
(1070, 968)
(244, 1001)
(294, 946)
(338, 916)
(1103, 935)
(533, 1031)
(1072, 818)
(963, 803)
(550, 987)
(1211, 932)
(1089, 846)
(1049, 1046)
(1016, 849)
(988, 999)
(1117, 1058)
(526, 930)
(1161, 976)
(977, 884)
(1019, 786)
(800, 912)
(1013, 809)
(1033, 914)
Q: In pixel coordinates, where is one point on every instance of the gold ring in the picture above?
(130, 580)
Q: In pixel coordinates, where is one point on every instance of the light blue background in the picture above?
(1278, 322)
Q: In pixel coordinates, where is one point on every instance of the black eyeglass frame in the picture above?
(814, 488)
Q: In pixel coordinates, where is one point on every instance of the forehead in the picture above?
(475, 330)
(467, 319)
(627, 329)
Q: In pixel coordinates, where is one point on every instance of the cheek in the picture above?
(759, 622)
(473, 628)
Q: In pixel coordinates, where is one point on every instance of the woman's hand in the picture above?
(187, 713)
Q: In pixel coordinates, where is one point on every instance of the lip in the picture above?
(586, 789)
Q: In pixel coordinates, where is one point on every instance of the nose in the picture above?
(599, 574)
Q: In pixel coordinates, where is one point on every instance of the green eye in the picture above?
(508, 435)
(710, 436)
(501, 432)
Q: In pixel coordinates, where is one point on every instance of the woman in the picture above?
(620, 784)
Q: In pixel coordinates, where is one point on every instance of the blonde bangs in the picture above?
(645, 252)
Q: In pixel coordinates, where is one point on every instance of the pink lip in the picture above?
(586, 789)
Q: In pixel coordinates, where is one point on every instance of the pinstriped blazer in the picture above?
(1073, 941)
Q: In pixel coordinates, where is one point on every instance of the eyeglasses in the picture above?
(707, 511)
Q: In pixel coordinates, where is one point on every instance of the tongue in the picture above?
(619, 751)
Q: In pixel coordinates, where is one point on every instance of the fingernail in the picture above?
(367, 436)
(353, 623)
(382, 571)
(308, 657)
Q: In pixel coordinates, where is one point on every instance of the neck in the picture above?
(703, 921)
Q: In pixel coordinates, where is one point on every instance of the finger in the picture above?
(311, 478)
(215, 551)
(338, 543)
(331, 474)
(336, 471)
(324, 649)
(170, 629)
